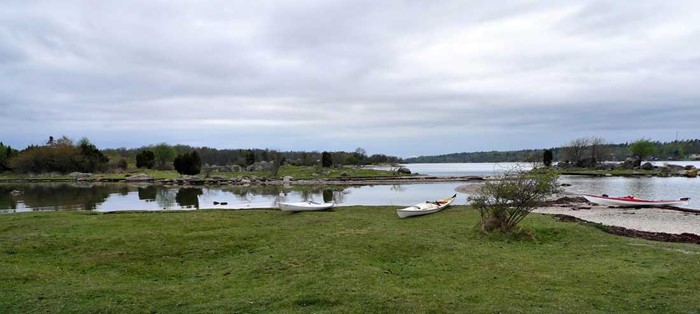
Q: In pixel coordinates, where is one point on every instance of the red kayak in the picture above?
(631, 201)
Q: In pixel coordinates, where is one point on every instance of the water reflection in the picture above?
(188, 197)
(148, 193)
(327, 196)
(7, 199)
(62, 196)
(642, 187)
(118, 197)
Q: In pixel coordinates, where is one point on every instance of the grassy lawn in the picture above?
(350, 260)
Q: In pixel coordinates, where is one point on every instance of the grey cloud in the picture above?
(400, 77)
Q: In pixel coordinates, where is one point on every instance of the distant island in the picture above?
(576, 149)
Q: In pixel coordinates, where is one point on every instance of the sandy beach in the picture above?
(663, 220)
(642, 219)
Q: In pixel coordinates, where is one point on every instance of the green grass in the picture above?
(350, 260)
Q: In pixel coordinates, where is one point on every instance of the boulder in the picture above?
(139, 177)
(647, 166)
(80, 175)
(664, 171)
(260, 166)
(190, 178)
(403, 170)
(674, 169)
(689, 167)
(605, 166)
(628, 163)
(586, 163)
(637, 163)
(692, 173)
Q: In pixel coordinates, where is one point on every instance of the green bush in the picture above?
(122, 164)
(326, 160)
(189, 164)
(60, 156)
(502, 204)
(145, 159)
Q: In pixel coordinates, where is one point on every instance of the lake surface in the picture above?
(106, 197)
(466, 169)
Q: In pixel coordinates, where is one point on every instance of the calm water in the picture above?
(120, 197)
(644, 187)
(123, 197)
(464, 169)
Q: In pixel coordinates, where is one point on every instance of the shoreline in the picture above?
(260, 181)
(656, 223)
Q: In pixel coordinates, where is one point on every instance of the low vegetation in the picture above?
(350, 260)
(505, 202)
(63, 157)
(188, 164)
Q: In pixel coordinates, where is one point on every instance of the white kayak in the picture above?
(304, 206)
(425, 208)
(631, 201)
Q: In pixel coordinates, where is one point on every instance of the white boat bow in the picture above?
(304, 206)
(425, 207)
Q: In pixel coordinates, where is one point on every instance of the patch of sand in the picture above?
(643, 219)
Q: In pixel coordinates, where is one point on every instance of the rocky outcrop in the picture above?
(647, 166)
(260, 166)
(215, 168)
(586, 163)
(606, 166)
(630, 163)
(403, 170)
(80, 175)
(141, 177)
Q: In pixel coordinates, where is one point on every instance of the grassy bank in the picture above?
(298, 172)
(353, 260)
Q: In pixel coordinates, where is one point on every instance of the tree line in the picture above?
(65, 155)
(575, 150)
(246, 157)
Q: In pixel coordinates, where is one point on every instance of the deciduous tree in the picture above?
(164, 154)
(642, 148)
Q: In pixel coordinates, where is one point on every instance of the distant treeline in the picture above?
(64, 155)
(243, 157)
(675, 150)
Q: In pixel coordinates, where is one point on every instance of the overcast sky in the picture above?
(397, 77)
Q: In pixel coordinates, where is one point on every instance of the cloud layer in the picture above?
(397, 77)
